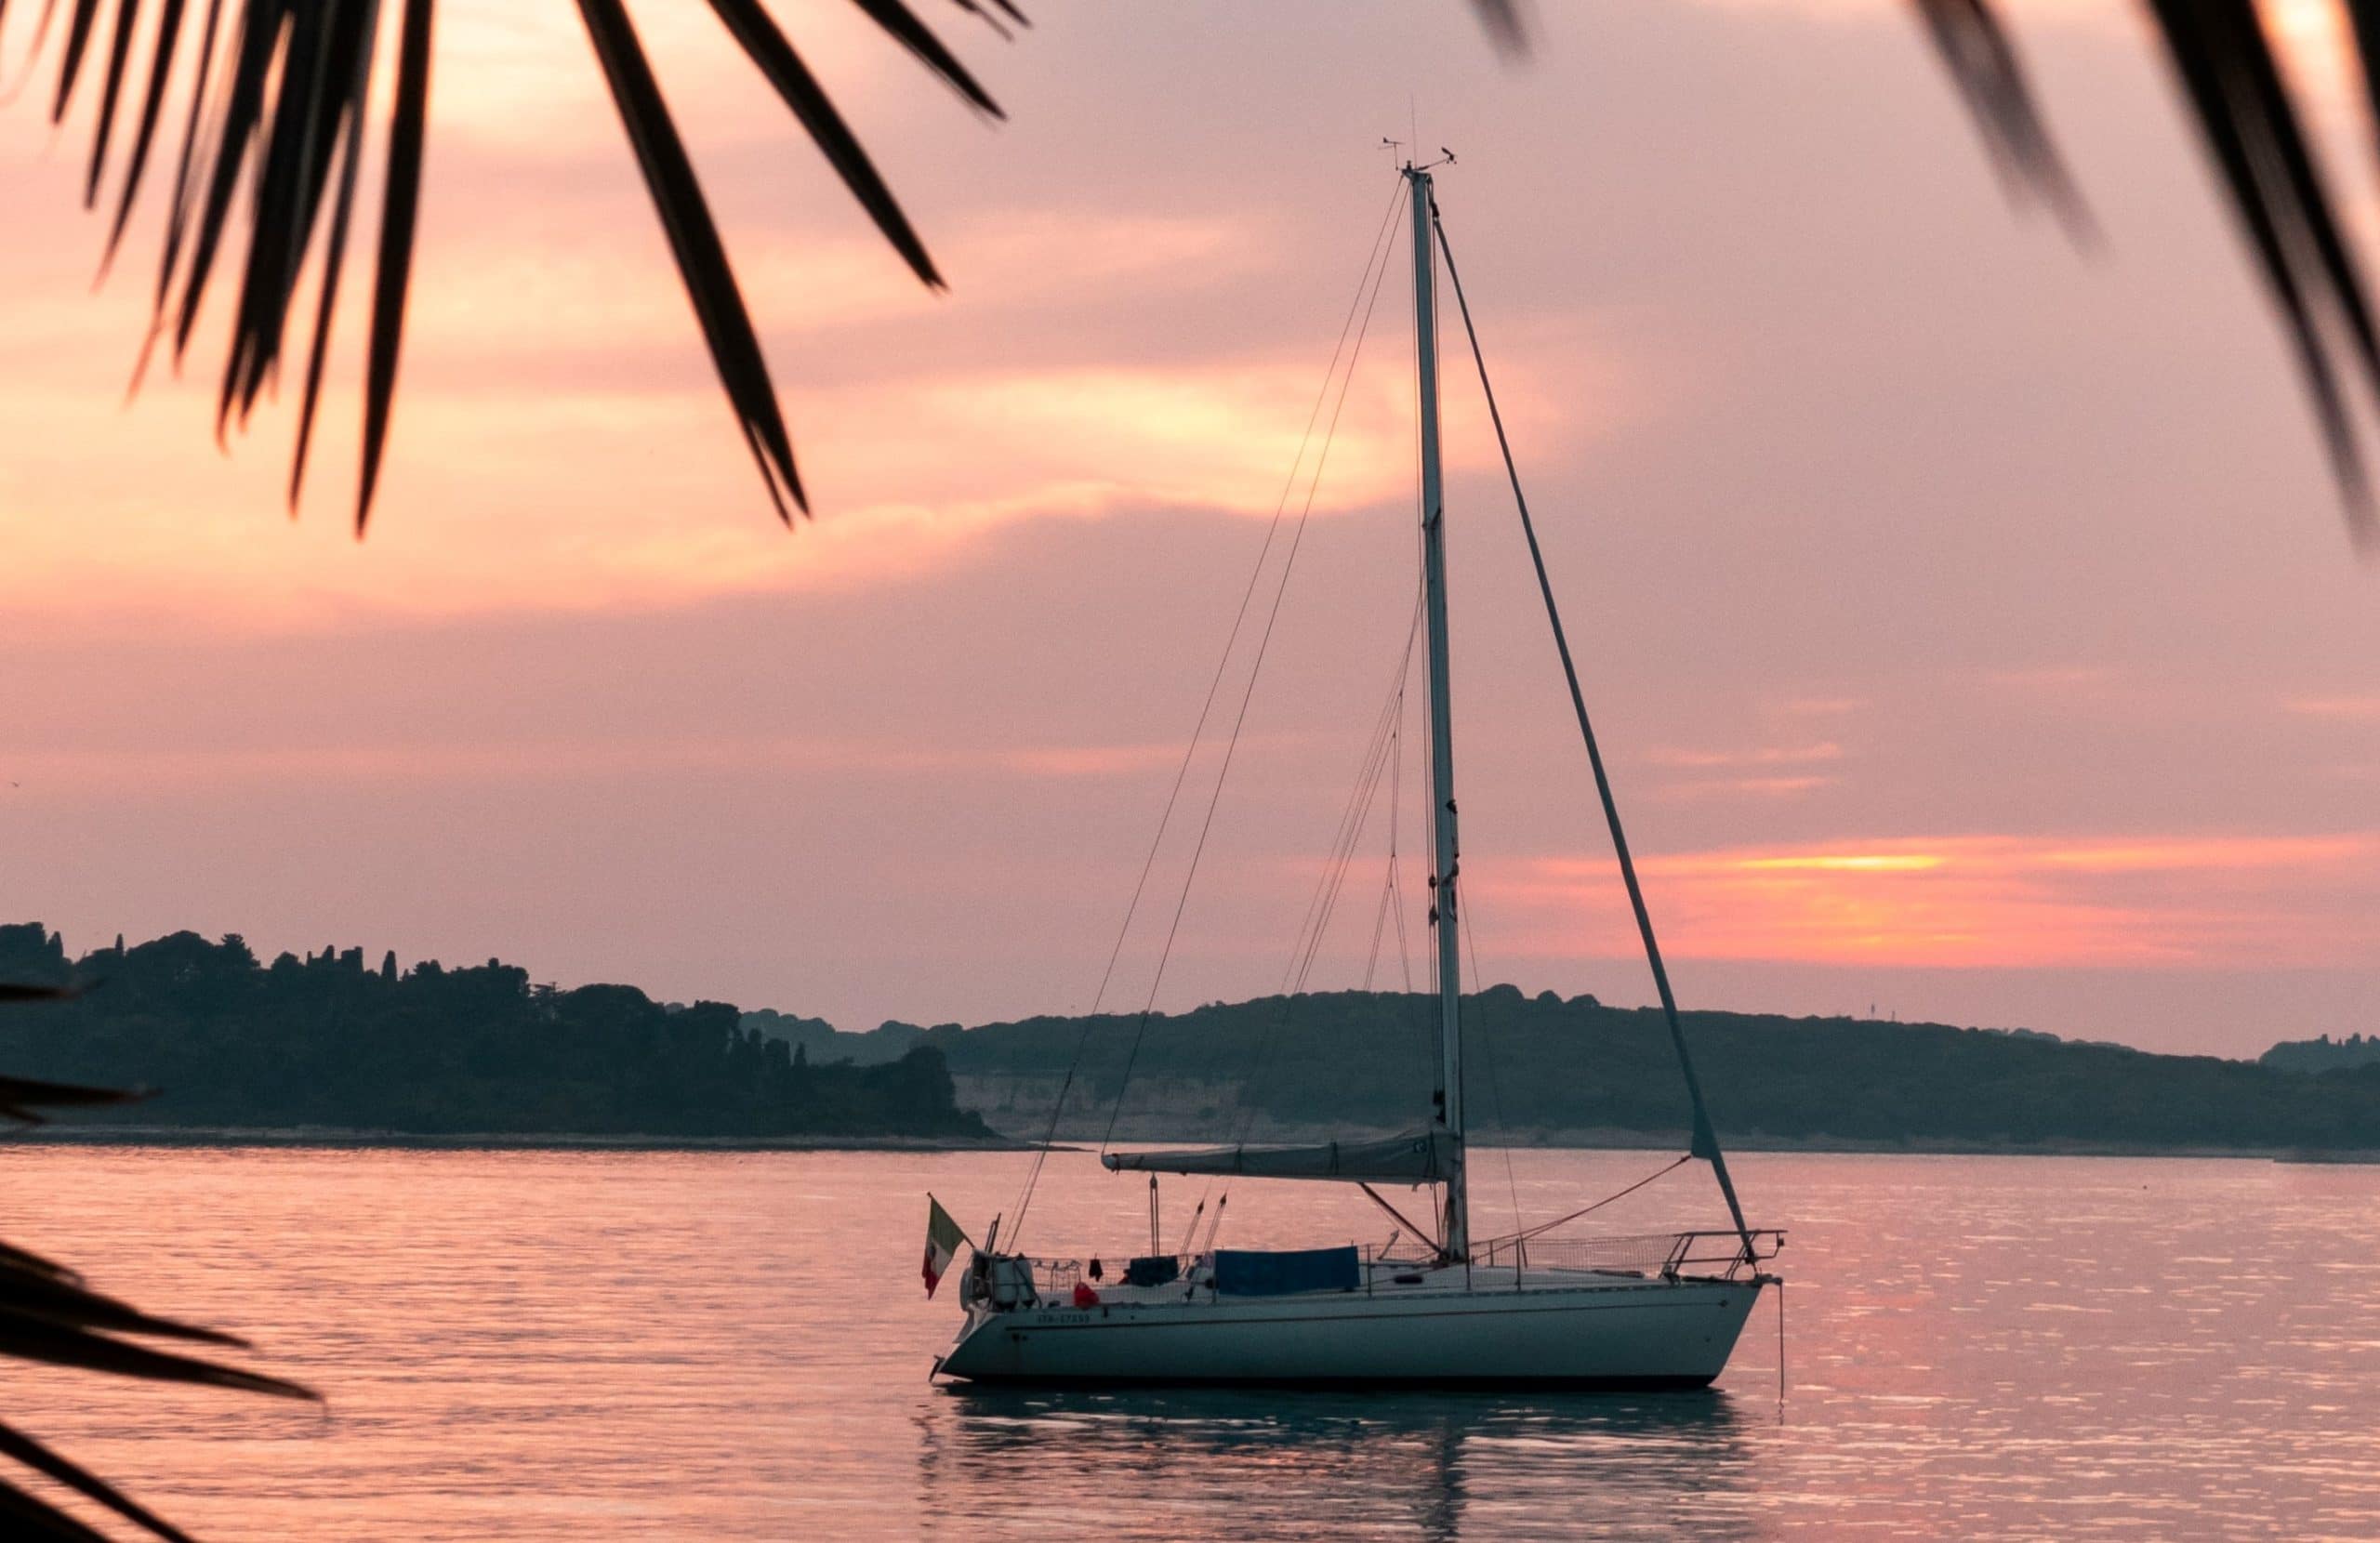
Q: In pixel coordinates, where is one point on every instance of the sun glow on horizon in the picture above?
(1986, 902)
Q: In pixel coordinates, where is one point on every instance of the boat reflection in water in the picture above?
(1217, 1463)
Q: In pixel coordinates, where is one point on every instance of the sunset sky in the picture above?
(1969, 620)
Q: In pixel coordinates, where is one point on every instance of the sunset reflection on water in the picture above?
(565, 1345)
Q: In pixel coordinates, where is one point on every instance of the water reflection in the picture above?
(1193, 1464)
(553, 1347)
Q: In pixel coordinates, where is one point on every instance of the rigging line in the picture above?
(1392, 718)
(1314, 415)
(1334, 877)
(1356, 821)
(1419, 1017)
(1376, 258)
(1351, 820)
(1487, 1054)
(1379, 754)
(1190, 1232)
(1395, 801)
(1335, 867)
(1388, 876)
(1584, 1211)
(1388, 895)
(1215, 1222)
(1705, 1142)
(1394, 713)
(1395, 826)
(1379, 930)
(1293, 983)
(1230, 746)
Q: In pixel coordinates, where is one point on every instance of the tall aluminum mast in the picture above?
(1446, 860)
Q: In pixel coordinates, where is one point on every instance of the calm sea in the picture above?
(565, 1345)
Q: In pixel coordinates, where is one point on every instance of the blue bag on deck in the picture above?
(1253, 1272)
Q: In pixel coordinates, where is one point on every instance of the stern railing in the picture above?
(1649, 1256)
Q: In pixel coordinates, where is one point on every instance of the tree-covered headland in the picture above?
(329, 1039)
(1550, 1068)
(325, 1040)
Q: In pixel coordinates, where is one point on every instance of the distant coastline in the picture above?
(334, 1138)
(305, 1137)
(1638, 1140)
(325, 1050)
(1573, 1072)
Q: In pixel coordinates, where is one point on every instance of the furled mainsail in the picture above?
(1420, 1157)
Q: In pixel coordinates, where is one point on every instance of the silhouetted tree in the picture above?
(442, 1051)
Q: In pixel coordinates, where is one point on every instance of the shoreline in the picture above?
(334, 1138)
(1609, 1139)
(329, 1138)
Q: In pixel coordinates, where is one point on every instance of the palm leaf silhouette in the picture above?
(273, 141)
(48, 1313)
(2253, 134)
(275, 105)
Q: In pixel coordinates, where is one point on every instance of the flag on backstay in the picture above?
(942, 1238)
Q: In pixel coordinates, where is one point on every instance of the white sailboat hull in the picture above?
(1606, 1333)
(1462, 1315)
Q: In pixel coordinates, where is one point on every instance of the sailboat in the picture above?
(1521, 1310)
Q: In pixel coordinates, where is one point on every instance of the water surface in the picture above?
(735, 1346)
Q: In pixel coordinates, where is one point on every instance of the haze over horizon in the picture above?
(1969, 621)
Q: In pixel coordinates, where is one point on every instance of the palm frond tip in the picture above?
(278, 89)
(2250, 127)
(48, 1315)
(270, 156)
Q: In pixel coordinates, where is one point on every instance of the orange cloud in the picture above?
(1759, 771)
(1747, 787)
(502, 298)
(2351, 708)
(1983, 900)
(1767, 755)
(616, 495)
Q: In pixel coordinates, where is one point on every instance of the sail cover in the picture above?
(1421, 1157)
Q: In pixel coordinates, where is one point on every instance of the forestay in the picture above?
(1420, 1157)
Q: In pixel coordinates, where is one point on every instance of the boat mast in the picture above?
(1448, 1118)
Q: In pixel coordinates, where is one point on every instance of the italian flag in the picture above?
(942, 1238)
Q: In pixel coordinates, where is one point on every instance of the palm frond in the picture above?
(31, 1517)
(1984, 65)
(2250, 127)
(16, 1444)
(49, 1314)
(1502, 23)
(271, 153)
(2252, 131)
(702, 260)
(276, 108)
(19, 1095)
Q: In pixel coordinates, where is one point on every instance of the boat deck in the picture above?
(1378, 1280)
(1505, 1266)
(1395, 1321)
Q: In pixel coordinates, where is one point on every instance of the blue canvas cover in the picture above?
(1251, 1272)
